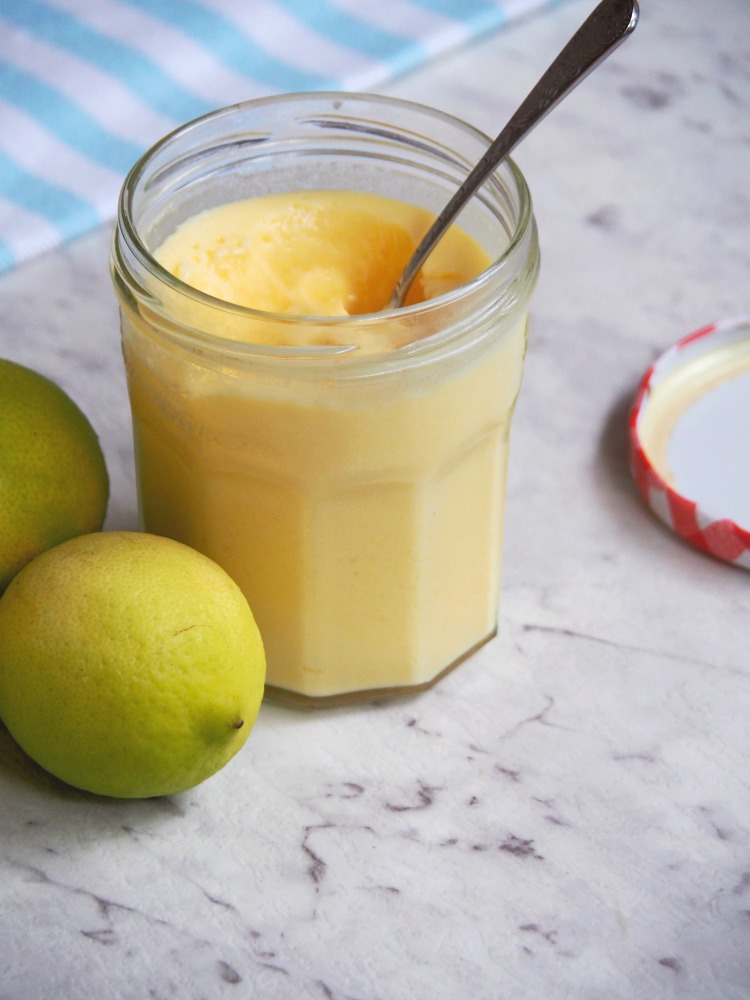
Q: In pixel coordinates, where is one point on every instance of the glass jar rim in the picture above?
(127, 229)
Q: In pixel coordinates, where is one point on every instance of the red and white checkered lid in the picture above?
(702, 490)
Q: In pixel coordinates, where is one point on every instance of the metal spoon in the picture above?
(599, 35)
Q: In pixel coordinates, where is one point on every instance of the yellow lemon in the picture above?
(53, 480)
(130, 664)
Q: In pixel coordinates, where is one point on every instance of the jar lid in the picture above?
(690, 439)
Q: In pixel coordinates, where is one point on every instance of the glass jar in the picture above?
(355, 492)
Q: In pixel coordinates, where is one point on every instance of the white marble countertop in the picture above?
(568, 814)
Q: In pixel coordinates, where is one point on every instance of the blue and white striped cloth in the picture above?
(87, 85)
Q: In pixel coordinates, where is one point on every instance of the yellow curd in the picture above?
(362, 516)
(315, 253)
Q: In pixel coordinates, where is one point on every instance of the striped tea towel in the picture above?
(87, 85)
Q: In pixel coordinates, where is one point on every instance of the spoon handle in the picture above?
(604, 29)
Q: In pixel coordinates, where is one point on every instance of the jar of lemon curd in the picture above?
(348, 471)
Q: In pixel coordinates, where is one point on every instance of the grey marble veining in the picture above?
(567, 816)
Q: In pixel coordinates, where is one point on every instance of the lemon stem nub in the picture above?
(239, 723)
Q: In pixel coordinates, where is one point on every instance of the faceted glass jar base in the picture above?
(283, 696)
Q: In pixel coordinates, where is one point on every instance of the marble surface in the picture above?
(567, 815)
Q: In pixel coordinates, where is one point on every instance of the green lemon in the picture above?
(53, 480)
(130, 664)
